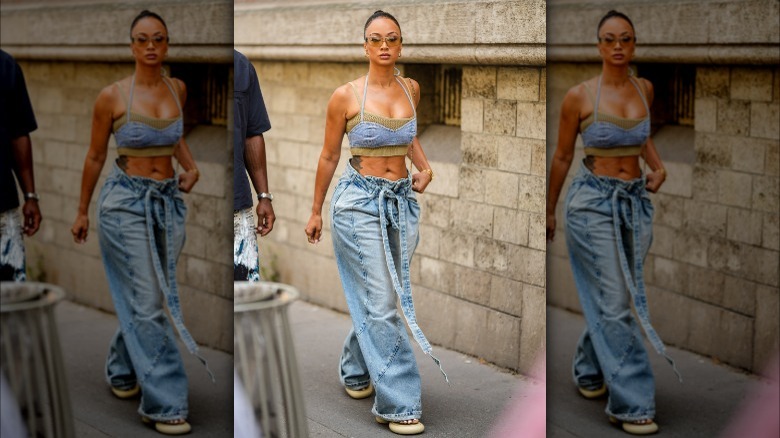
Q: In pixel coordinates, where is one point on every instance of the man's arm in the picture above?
(23, 168)
(255, 162)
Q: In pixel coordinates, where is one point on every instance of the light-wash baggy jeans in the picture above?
(141, 230)
(608, 234)
(375, 232)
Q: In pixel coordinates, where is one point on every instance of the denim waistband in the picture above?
(158, 196)
(391, 200)
(625, 196)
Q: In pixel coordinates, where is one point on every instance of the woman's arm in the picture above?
(421, 179)
(329, 158)
(649, 152)
(564, 153)
(190, 176)
(102, 118)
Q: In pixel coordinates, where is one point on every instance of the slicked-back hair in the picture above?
(612, 14)
(146, 14)
(380, 14)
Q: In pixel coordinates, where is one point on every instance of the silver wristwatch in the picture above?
(264, 195)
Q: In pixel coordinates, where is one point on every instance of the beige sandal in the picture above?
(125, 394)
(591, 394)
(639, 427)
(403, 428)
(167, 428)
(359, 394)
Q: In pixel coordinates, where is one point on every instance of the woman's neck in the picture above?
(614, 75)
(382, 76)
(148, 75)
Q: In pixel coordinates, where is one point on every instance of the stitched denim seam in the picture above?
(391, 359)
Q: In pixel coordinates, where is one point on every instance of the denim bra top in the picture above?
(607, 135)
(378, 136)
(138, 135)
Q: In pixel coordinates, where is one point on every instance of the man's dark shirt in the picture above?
(251, 119)
(16, 120)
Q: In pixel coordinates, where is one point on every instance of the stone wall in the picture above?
(478, 274)
(63, 82)
(712, 272)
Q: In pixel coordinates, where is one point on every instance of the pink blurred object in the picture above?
(526, 416)
(759, 416)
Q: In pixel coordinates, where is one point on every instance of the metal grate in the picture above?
(207, 92)
(448, 92)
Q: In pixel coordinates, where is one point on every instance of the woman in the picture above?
(609, 226)
(140, 207)
(374, 217)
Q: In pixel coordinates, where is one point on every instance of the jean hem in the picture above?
(181, 415)
(414, 415)
(632, 417)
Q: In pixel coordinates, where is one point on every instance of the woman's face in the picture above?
(616, 41)
(384, 42)
(150, 41)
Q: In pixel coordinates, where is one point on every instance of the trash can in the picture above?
(265, 357)
(31, 358)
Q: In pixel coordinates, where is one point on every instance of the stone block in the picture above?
(447, 180)
(679, 179)
(734, 188)
(670, 274)
(776, 85)
(670, 315)
(507, 295)
(458, 248)
(531, 194)
(765, 120)
(537, 231)
(751, 83)
(560, 284)
(515, 154)
(706, 115)
(438, 275)
(705, 184)
(501, 188)
(429, 241)
(503, 22)
(766, 334)
(770, 236)
(743, 21)
(531, 120)
(429, 306)
(739, 295)
(472, 315)
(663, 240)
(196, 241)
(706, 285)
(500, 117)
(472, 218)
(712, 81)
(766, 193)
(212, 178)
(772, 161)
(501, 340)
(435, 210)
(491, 255)
(733, 337)
(539, 160)
(733, 117)
(712, 150)
(543, 85)
(511, 226)
(480, 150)
(669, 210)
(765, 269)
(518, 83)
(526, 265)
(472, 184)
(744, 226)
(747, 155)
(471, 115)
(479, 82)
(705, 342)
(473, 285)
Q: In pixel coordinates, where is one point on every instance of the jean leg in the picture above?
(353, 370)
(605, 299)
(587, 370)
(119, 366)
(147, 336)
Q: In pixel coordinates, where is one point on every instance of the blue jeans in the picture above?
(135, 215)
(375, 232)
(608, 234)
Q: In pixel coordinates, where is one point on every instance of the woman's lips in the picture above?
(618, 56)
(385, 56)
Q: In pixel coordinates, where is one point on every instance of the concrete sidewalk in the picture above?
(699, 407)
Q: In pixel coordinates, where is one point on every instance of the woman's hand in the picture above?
(550, 227)
(188, 179)
(80, 228)
(654, 180)
(420, 181)
(314, 228)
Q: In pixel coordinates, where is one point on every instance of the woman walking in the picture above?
(374, 217)
(609, 226)
(141, 217)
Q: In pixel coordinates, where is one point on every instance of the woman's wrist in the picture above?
(429, 171)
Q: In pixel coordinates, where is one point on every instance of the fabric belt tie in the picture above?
(390, 206)
(159, 213)
(623, 205)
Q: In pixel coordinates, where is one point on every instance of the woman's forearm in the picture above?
(325, 170)
(89, 178)
(558, 170)
(418, 157)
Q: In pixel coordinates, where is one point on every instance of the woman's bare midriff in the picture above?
(392, 168)
(625, 168)
(158, 168)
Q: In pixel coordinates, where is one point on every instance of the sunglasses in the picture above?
(143, 40)
(611, 41)
(376, 40)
